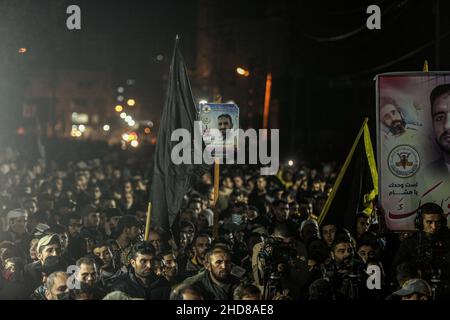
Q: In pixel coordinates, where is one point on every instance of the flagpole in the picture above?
(147, 224)
(341, 174)
(216, 197)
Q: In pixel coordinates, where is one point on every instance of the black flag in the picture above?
(171, 182)
(357, 188)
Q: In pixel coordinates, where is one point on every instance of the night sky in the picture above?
(326, 87)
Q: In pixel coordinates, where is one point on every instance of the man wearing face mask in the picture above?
(57, 286)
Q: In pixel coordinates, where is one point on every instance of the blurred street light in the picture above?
(134, 143)
(22, 50)
(120, 98)
(131, 102)
(203, 101)
(290, 163)
(128, 118)
(81, 128)
(123, 115)
(120, 89)
(118, 108)
(243, 72)
(106, 127)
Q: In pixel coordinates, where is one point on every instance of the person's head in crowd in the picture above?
(341, 249)
(65, 206)
(236, 197)
(206, 178)
(57, 288)
(103, 252)
(247, 292)
(362, 224)
(284, 232)
(169, 266)
(251, 214)
(204, 220)
(141, 213)
(227, 183)
(238, 182)
(142, 256)
(318, 253)
(279, 194)
(128, 199)
(414, 289)
(30, 205)
(58, 185)
(87, 272)
(187, 215)
(187, 233)
(48, 245)
(74, 224)
(321, 290)
(109, 204)
(127, 187)
(201, 244)
(52, 264)
(328, 232)
(185, 292)
(33, 249)
(406, 271)
(195, 206)
(91, 216)
(113, 216)
(281, 211)
(430, 218)
(128, 228)
(365, 250)
(261, 184)
(13, 269)
(218, 263)
(309, 230)
(96, 193)
(316, 186)
(155, 237)
(17, 221)
(61, 231)
(117, 194)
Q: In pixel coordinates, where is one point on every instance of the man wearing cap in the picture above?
(16, 221)
(414, 289)
(48, 245)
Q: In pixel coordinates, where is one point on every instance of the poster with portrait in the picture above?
(220, 124)
(413, 144)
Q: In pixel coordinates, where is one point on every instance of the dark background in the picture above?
(323, 87)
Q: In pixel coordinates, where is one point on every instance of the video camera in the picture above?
(277, 255)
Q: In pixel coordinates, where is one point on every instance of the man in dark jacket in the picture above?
(216, 282)
(429, 248)
(141, 280)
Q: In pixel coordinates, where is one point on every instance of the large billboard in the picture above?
(413, 142)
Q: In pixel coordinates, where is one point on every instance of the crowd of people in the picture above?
(72, 227)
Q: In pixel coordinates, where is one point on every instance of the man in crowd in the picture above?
(141, 281)
(216, 282)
